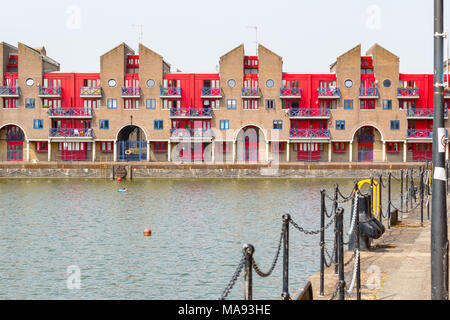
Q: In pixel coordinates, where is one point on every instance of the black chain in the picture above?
(309, 232)
(233, 278)
(275, 260)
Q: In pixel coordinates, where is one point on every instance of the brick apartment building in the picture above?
(135, 109)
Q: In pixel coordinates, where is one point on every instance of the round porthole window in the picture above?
(111, 82)
(231, 83)
(270, 83)
(348, 83)
(387, 83)
(150, 83)
(29, 82)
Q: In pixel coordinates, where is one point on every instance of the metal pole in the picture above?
(336, 188)
(358, 271)
(285, 293)
(248, 279)
(389, 200)
(412, 193)
(371, 195)
(401, 191)
(322, 241)
(380, 201)
(339, 216)
(439, 240)
(407, 190)
(421, 197)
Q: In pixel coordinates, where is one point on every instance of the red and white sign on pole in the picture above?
(441, 139)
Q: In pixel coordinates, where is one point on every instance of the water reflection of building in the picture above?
(135, 109)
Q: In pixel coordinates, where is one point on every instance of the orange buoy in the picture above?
(119, 179)
(147, 232)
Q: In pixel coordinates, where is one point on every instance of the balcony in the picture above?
(49, 92)
(204, 113)
(370, 138)
(251, 93)
(329, 93)
(420, 133)
(310, 113)
(90, 92)
(132, 61)
(408, 93)
(200, 133)
(309, 133)
(9, 92)
(71, 133)
(170, 92)
(13, 61)
(70, 112)
(368, 93)
(211, 93)
(290, 93)
(422, 113)
(131, 92)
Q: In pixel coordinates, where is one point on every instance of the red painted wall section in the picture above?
(191, 85)
(424, 82)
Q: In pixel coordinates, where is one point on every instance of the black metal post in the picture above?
(421, 197)
(248, 278)
(336, 188)
(380, 201)
(407, 190)
(358, 271)
(371, 194)
(340, 217)
(439, 239)
(389, 200)
(322, 241)
(412, 193)
(285, 293)
(401, 191)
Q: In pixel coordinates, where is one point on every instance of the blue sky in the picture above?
(192, 35)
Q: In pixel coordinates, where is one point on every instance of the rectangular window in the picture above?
(38, 123)
(367, 104)
(224, 147)
(340, 124)
(160, 147)
(30, 103)
(231, 104)
(158, 124)
(106, 146)
(10, 103)
(392, 147)
(348, 104)
(104, 124)
(277, 124)
(387, 104)
(41, 146)
(224, 124)
(270, 104)
(150, 104)
(395, 124)
(278, 147)
(131, 104)
(339, 147)
(250, 104)
(112, 104)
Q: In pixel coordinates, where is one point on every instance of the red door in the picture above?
(15, 151)
(250, 144)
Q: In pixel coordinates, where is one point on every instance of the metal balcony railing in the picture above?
(329, 92)
(366, 138)
(71, 132)
(420, 133)
(90, 91)
(251, 92)
(368, 92)
(15, 137)
(408, 92)
(9, 91)
(170, 91)
(311, 112)
(191, 112)
(70, 112)
(309, 133)
(131, 92)
(290, 92)
(190, 133)
(207, 91)
(49, 91)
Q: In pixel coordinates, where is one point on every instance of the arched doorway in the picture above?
(368, 140)
(131, 144)
(12, 138)
(248, 142)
